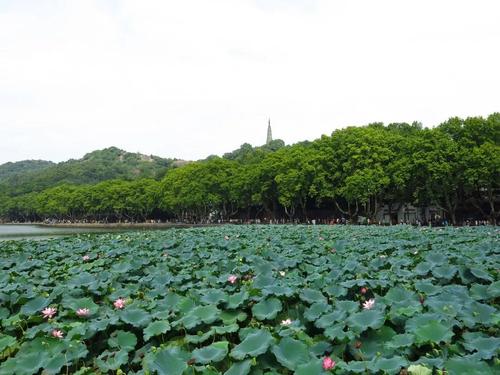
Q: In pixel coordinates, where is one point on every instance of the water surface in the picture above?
(28, 231)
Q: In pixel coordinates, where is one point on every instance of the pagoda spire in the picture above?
(269, 133)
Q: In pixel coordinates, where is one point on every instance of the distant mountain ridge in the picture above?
(110, 163)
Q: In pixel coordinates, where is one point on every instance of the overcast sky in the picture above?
(190, 78)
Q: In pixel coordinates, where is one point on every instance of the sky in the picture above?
(193, 78)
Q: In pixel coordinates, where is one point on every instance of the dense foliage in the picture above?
(355, 171)
(15, 169)
(94, 167)
(253, 300)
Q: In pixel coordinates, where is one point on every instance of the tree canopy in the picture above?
(355, 171)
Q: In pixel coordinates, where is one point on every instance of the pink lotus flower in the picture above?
(119, 303)
(369, 304)
(232, 278)
(364, 290)
(83, 312)
(328, 363)
(286, 322)
(49, 312)
(57, 334)
(85, 258)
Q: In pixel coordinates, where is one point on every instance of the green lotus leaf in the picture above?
(400, 296)
(312, 296)
(330, 319)
(446, 271)
(422, 268)
(478, 313)
(479, 292)
(419, 370)
(4, 313)
(372, 344)
(75, 350)
(29, 363)
(358, 367)
(267, 309)
(290, 353)
(201, 314)
(121, 267)
(494, 289)
(481, 274)
(36, 305)
(213, 296)
(337, 332)
(467, 366)
(112, 361)
(253, 345)
(320, 348)
(262, 281)
(417, 321)
(237, 299)
(6, 342)
(433, 331)
(212, 353)
(389, 365)
(226, 329)
(240, 368)
(336, 290)
(316, 310)
(401, 341)
(278, 290)
(155, 329)
(135, 316)
(435, 258)
(486, 347)
(426, 286)
(200, 337)
(347, 306)
(81, 303)
(312, 367)
(122, 340)
(231, 317)
(171, 361)
(363, 320)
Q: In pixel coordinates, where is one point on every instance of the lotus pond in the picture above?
(253, 300)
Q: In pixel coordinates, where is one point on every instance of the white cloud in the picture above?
(192, 78)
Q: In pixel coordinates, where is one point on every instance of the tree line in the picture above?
(355, 171)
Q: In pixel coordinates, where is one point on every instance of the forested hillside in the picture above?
(94, 167)
(10, 170)
(354, 171)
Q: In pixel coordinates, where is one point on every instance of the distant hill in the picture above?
(110, 163)
(11, 169)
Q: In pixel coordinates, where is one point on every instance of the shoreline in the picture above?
(122, 225)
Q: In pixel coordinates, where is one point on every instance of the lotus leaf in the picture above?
(169, 362)
(294, 301)
(123, 340)
(240, 368)
(253, 345)
(291, 353)
(155, 329)
(267, 309)
(135, 316)
(366, 319)
(433, 331)
(213, 353)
